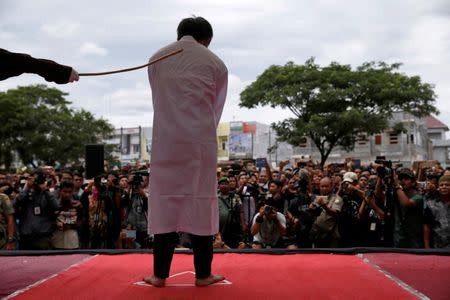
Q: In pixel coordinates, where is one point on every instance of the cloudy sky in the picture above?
(249, 35)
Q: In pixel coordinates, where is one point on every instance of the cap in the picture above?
(350, 177)
(224, 179)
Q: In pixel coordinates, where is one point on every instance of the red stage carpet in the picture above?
(249, 276)
(428, 274)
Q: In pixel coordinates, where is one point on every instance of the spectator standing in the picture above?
(68, 219)
(231, 216)
(324, 232)
(7, 224)
(436, 227)
(409, 205)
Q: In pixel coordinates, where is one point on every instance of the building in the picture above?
(132, 143)
(406, 145)
(440, 145)
(250, 140)
(417, 139)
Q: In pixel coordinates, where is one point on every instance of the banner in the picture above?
(249, 127)
(240, 145)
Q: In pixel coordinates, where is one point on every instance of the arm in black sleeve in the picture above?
(15, 64)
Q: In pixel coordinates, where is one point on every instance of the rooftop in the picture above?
(434, 123)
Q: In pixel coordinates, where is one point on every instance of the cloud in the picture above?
(248, 36)
(60, 30)
(92, 49)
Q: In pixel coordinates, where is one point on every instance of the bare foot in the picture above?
(155, 281)
(211, 279)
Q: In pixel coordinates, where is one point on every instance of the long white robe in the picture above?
(189, 91)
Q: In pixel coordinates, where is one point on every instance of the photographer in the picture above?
(137, 210)
(97, 207)
(300, 216)
(378, 208)
(274, 197)
(267, 228)
(35, 207)
(373, 214)
(348, 222)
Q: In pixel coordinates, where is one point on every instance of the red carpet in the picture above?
(18, 272)
(249, 276)
(427, 273)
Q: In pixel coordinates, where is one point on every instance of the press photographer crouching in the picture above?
(268, 227)
(136, 205)
(35, 209)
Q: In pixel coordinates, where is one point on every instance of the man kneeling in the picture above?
(267, 228)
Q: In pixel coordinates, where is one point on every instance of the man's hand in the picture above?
(321, 200)
(262, 211)
(74, 76)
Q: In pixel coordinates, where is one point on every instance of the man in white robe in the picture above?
(189, 91)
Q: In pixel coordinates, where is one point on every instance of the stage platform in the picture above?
(273, 274)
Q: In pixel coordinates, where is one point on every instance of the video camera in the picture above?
(138, 178)
(385, 170)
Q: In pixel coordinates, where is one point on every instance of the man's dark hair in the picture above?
(67, 172)
(197, 27)
(278, 183)
(66, 185)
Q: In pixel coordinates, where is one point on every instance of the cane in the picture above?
(134, 68)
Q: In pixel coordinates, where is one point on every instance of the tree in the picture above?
(39, 125)
(332, 105)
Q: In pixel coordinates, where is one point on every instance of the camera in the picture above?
(138, 178)
(268, 209)
(385, 170)
(302, 183)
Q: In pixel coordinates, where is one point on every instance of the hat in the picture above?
(350, 177)
(224, 179)
(406, 173)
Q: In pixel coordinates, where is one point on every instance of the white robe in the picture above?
(189, 91)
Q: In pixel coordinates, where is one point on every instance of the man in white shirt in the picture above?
(188, 92)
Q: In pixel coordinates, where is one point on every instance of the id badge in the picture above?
(37, 210)
(95, 217)
(373, 226)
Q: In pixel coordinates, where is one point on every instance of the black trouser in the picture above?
(164, 246)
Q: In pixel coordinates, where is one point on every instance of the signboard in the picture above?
(235, 126)
(240, 145)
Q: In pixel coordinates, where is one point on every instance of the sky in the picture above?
(249, 36)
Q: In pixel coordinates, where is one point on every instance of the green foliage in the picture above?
(333, 104)
(38, 125)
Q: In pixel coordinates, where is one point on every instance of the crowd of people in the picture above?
(305, 206)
